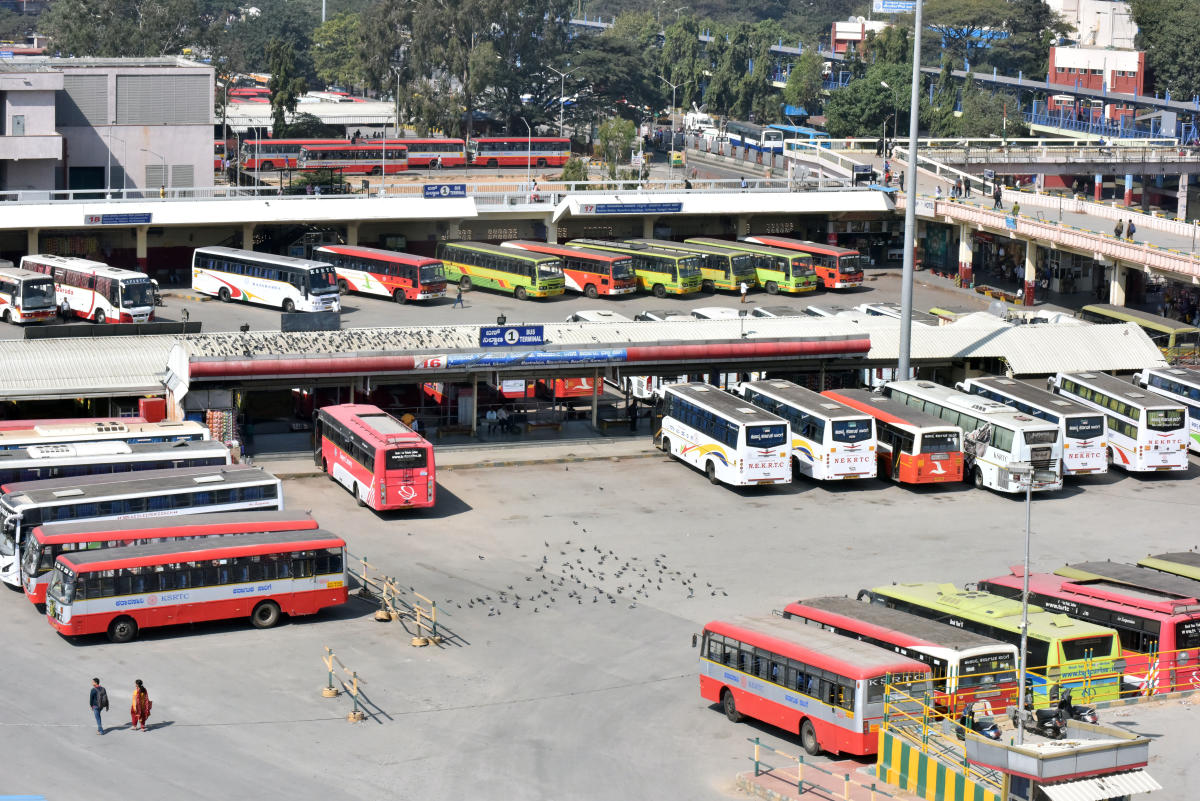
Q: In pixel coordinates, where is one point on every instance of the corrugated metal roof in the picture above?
(83, 367)
(1099, 788)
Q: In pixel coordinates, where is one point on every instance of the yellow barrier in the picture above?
(350, 686)
(384, 590)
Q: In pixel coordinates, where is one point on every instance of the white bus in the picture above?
(281, 281)
(1179, 384)
(994, 435)
(26, 296)
(830, 441)
(94, 291)
(1146, 432)
(730, 440)
(895, 312)
(1081, 427)
(152, 493)
(101, 431)
(71, 460)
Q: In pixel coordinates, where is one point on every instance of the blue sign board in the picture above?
(6, 54)
(501, 336)
(893, 6)
(117, 219)
(445, 190)
(635, 208)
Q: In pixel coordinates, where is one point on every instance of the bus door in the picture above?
(317, 441)
(304, 582)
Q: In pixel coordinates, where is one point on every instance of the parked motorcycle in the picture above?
(1050, 723)
(984, 726)
(158, 298)
(1084, 714)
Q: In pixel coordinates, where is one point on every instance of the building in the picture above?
(1098, 23)
(83, 123)
(850, 35)
(1098, 68)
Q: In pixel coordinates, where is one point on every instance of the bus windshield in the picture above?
(622, 269)
(136, 294)
(1085, 427)
(1041, 437)
(1187, 634)
(850, 264)
(432, 274)
(37, 294)
(1086, 648)
(766, 436)
(850, 431)
(977, 671)
(550, 269)
(939, 442)
(322, 281)
(1164, 419)
(801, 267)
(744, 264)
(689, 267)
(62, 587)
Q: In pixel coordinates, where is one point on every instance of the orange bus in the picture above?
(838, 268)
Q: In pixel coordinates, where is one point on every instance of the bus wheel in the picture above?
(797, 474)
(289, 305)
(772, 288)
(660, 291)
(707, 286)
(1108, 456)
(541, 162)
(808, 738)
(100, 317)
(267, 165)
(977, 478)
(400, 297)
(265, 615)
(7, 316)
(123, 629)
(710, 470)
(343, 287)
(664, 445)
(224, 294)
(374, 171)
(464, 283)
(491, 164)
(730, 706)
(590, 290)
(358, 498)
(520, 293)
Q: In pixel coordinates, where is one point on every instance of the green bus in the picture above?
(1180, 563)
(663, 272)
(1063, 652)
(1175, 339)
(719, 268)
(522, 273)
(778, 270)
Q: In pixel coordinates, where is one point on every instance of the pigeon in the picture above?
(481, 556)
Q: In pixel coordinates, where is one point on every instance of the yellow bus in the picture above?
(1178, 341)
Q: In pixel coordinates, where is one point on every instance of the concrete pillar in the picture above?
(1128, 200)
(1116, 284)
(597, 382)
(1181, 209)
(352, 234)
(474, 406)
(1030, 272)
(742, 226)
(32, 247)
(248, 236)
(142, 232)
(1099, 193)
(966, 261)
(648, 227)
(551, 230)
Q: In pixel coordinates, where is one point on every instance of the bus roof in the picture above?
(975, 405)
(1119, 388)
(1034, 396)
(366, 144)
(63, 261)
(87, 429)
(853, 659)
(919, 630)
(564, 250)
(748, 247)
(1187, 374)
(689, 247)
(799, 129)
(1068, 593)
(631, 248)
(789, 243)
(886, 409)
(497, 250)
(144, 482)
(255, 520)
(722, 402)
(1131, 576)
(265, 258)
(1179, 563)
(483, 139)
(1125, 314)
(153, 553)
(598, 316)
(98, 450)
(373, 420)
(803, 398)
(394, 256)
(22, 275)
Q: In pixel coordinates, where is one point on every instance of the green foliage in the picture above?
(14, 25)
(337, 51)
(615, 140)
(959, 23)
(285, 85)
(244, 46)
(805, 80)
(574, 170)
(890, 46)
(107, 28)
(683, 61)
(308, 126)
(1168, 31)
(1032, 28)
(621, 65)
(733, 91)
(862, 107)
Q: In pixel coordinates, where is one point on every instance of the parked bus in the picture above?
(367, 157)
(1181, 385)
(776, 269)
(383, 462)
(520, 273)
(1176, 340)
(828, 690)
(1063, 653)
(519, 151)
(1080, 428)
(436, 152)
(385, 273)
(278, 154)
(122, 591)
(74, 459)
(263, 278)
(995, 435)
(966, 667)
(26, 296)
(150, 493)
(1182, 563)
(94, 291)
(592, 272)
(1156, 616)
(730, 440)
(755, 138)
(1146, 432)
(720, 268)
(32, 432)
(830, 441)
(45, 543)
(912, 447)
(662, 272)
(895, 312)
(838, 268)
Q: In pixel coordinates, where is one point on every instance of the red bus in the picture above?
(838, 268)
(434, 153)
(365, 158)
(386, 273)
(1156, 615)
(260, 576)
(46, 542)
(914, 447)
(806, 681)
(967, 667)
(383, 462)
(592, 272)
(520, 151)
(277, 154)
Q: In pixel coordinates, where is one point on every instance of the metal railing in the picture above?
(851, 788)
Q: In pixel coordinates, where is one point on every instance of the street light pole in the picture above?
(528, 154)
(671, 146)
(163, 185)
(562, 84)
(1024, 472)
(910, 205)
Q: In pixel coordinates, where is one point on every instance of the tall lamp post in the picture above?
(671, 146)
(108, 169)
(562, 84)
(164, 165)
(895, 113)
(528, 154)
(910, 205)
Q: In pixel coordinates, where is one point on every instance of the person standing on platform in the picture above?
(98, 699)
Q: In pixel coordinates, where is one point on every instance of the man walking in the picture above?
(996, 198)
(743, 288)
(98, 699)
(458, 301)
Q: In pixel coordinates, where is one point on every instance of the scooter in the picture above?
(1084, 714)
(984, 726)
(1050, 723)
(158, 298)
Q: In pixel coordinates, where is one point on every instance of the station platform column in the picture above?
(742, 225)
(32, 240)
(966, 257)
(142, 233)
(1181, 209)
(1116, 283)
(352, 234)
(1099, 193)
(1030, 272)
(551, 230)
(248, 236)
(648, 227)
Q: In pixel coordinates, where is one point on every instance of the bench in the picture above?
(605, 422)
(536, 424)
(446, 431)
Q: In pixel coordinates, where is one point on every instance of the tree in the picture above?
(1168, 31)
(961, 24)
(243, 45)
(286, 87)
(110, 28)
(618, 72)
(616, 140)
(806, 79)
(309, 126)
(863, 107)
(1032, 29)
(890, 46)
(337, 50)
(683, 60)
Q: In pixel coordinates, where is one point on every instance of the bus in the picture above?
(521, 273)
(1080, 428)
(967, 668)
(730, 440)
(73, 459)
(385, 273)
(1156, 616)
(436, 153)
(150, 493)
(1181, 385)
(896, 312)
(1146, 432)
(34, 433)
(755, 138)
(830, 441)
(720, 268)
(838, 268)
(1176, 340)
(802, 132)
(592, 272)
(1182, 563)
(519, 151)
(661, 272)
(282, 281)
(912, 447)
(381, 461)
(828, 690)
(94, 291)
(367, 157)
(278, 154)
(26, 296)
(995, 435)
(776, 269)
(45, 543)
(1064, 653)
(121, 591)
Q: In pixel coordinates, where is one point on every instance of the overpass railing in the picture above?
(1133, 156)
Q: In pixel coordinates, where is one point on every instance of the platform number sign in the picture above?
(509, 336)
